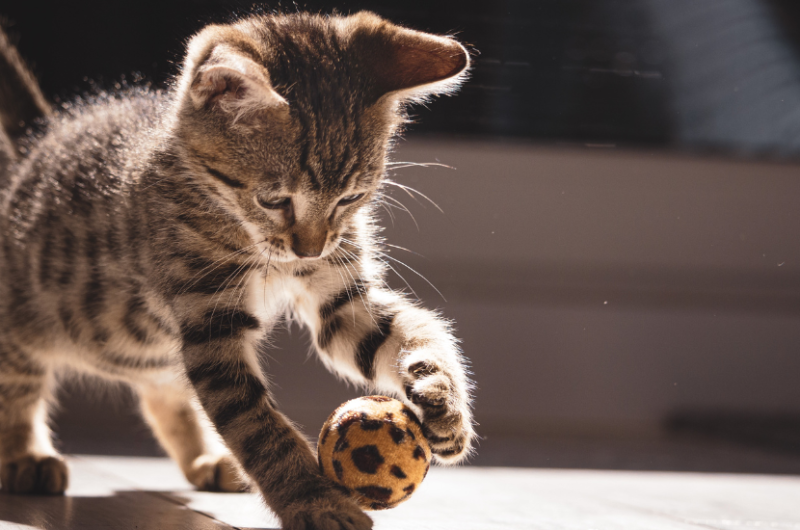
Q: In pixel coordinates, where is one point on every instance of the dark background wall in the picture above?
(619, 243)
(541, 71)
(714, 75)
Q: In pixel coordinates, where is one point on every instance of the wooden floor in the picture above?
(149, 493)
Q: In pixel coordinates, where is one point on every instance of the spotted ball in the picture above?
(373, 448)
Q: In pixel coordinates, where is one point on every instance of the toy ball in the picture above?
(374, 448)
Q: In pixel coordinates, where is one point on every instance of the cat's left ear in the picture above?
(221, 75)
(407, 63)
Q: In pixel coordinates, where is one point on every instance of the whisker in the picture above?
(367, 305)
(266, 273)
(344, 286)
(401, 165)
(388, 265)
(402, 278)
(227, 281)
(383, 205)
(403, 248)
(387, 256)
(218, 264)
(383, 282)
(405, 209)
(352, 244)
(409, 190)
(383, 254)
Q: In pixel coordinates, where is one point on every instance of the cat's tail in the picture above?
(7, 153)
(21, 99)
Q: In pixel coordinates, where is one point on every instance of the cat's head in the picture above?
(286, 120)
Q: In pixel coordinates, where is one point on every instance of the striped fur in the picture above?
(154, 238)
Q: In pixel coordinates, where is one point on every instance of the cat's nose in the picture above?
(307, 254)
(307, 248)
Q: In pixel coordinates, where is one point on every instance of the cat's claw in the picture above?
(43, 475)
(445, 419)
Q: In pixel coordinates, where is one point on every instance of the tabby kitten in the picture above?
(155, 237)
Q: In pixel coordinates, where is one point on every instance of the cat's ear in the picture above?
(221, 75)
(234, 82)
(409, 63)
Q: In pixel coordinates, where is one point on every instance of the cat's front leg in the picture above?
(378, 337)
(220, 361)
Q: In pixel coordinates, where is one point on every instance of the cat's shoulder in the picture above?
(102, 115)
(99, 132)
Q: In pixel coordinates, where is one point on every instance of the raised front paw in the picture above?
(44, 475)
(334, 513)
(446, 418)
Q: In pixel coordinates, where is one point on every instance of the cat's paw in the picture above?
(446, 418)
(216, 473)
(43, 475)
(327, 514)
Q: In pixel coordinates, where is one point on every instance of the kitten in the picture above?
(155, 237)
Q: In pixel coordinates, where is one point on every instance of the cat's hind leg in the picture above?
(28, 461)
(189, 439)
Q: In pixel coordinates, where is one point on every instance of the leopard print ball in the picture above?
(374, 448)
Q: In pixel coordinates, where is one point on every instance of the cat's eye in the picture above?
(274, 203)
(350, 199)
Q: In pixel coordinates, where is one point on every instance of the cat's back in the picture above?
(97, 141)
(90, 153)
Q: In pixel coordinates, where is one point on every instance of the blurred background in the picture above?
(619, 234)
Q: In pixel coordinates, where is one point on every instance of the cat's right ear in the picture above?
(410, 65)
(221, 75)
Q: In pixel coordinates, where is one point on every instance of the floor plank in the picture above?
(142, 493)
(162, 476)
(99, 498)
